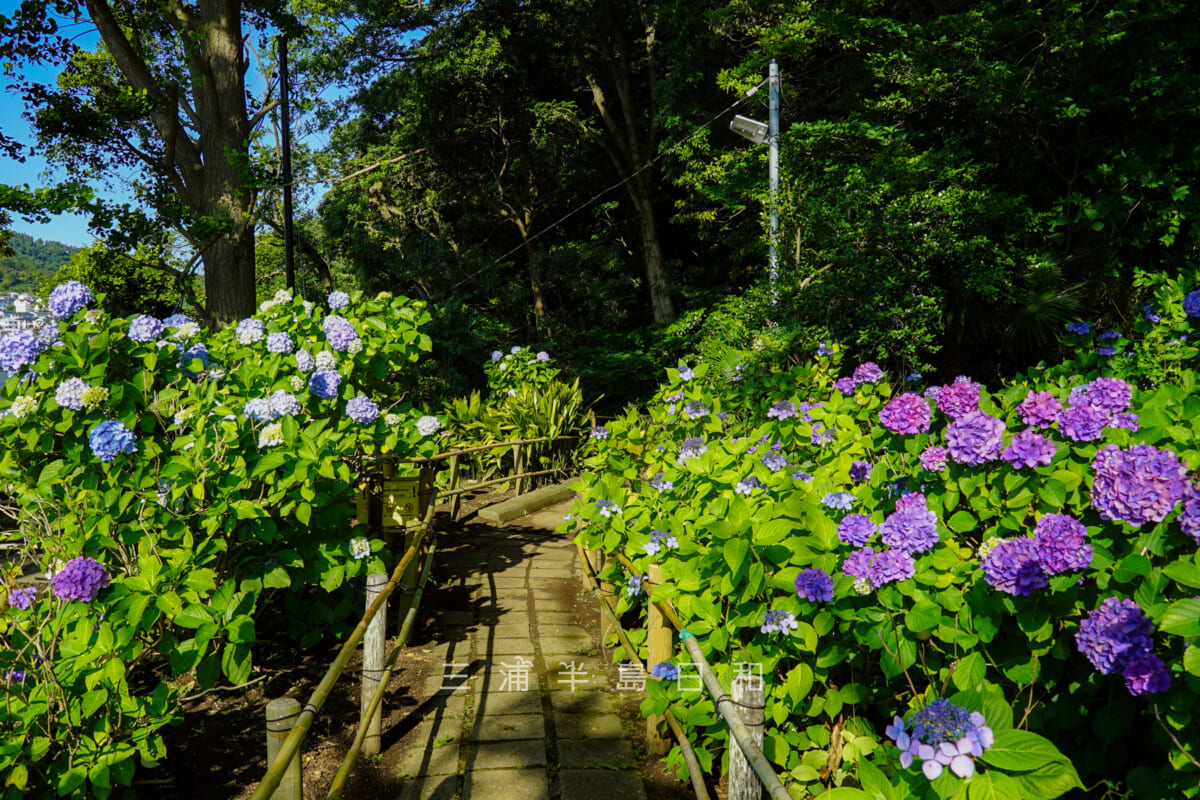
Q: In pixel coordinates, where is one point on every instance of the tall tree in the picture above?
(164, 97)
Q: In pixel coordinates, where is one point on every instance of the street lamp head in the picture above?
(749, 129)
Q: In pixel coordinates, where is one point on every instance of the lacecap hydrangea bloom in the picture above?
(779, 621)
(839, 500)
(658, 484)
(324, 383)
(747, 485)
(69, 297)
(814, 585)
(634, 587)
(685, 372)
(784, 409)
(1029, 449)
(339, 332)
(607, 508)
(110, 438)
(80, 579)
(1079, 328)
(974, 438)
(250, 331)
(856, 529)
(428, 425)
(598, 432)
(692, 447)
(906, 413)
(942, 735)
(1138, 485)
(361, 409)
(665, 671)
(774, 461)
(660, 540)
(695, 410)
(1039, 409)
(338, 300)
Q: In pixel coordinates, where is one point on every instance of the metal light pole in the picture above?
(758, 133)
(289, 262)
(773, 167)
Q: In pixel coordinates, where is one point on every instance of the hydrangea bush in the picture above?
(169, 482)
(1004, 605)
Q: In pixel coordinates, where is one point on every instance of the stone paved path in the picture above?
(529, 709)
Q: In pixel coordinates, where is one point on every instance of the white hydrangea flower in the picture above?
(267, 305)
(392, 419)
(355, 347)
(326, 360)
(182, 416)
(187, 331)
(271, 436)
(94, 397)
(23, 406)
(427, 425)
(93, 316)
(308, 307)
(283, 296)
(298, 383)
(360, 547)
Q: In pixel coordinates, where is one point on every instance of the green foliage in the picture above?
(30, 260)
(141, 282)
(216, 516)
(850, 665)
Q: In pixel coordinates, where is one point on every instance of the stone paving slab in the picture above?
(501, 630)
(498, 702)
(494, 784)
(589, 726)
(504, 727)
(507, 755)
(580, 753)
(599, 702)
(442, 787)
(491, 648)
(582, 784)
(431, 761)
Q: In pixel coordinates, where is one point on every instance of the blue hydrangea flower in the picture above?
(607, 508)
(658, 541)
(250, 331)
(774, 461)
(1079, 328)
(80, 579)
(496, 356)
(839, 500)
(814, 585)
(782, 410)
(67, 298)
(695, 410)
(1151, 314)
(19, 349)
(685, 372)
(339, 332)
(747, 485)
(22, 597)
(665, 671)
(110, 438)
(598, 432)
(196, 351)
(177, 321)
(1145, 673)
(1114, 633)
(305, 361)
(324, 383)
(145, 328)
(283, 404)
(49, 335)
(542, 356)
(338, 300)
(279, 343)
(259, 409)
(779, 621)
(361, 409)
(635, 586)
(1106, 350)
(822, 436)
(913, 377)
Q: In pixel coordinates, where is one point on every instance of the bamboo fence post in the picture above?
(517, 466)
(281, 716)
(608, 591)
(747, 693)
(456, 501)
(374, 642)
(658, 642)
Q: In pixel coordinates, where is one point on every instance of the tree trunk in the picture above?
(656, 276)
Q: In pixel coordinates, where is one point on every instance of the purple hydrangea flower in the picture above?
(692, 447)
(658, 541)
(305, 361)
(110, 438)
(685, 372)
(1113, 634)
(177, 321)
(845, 385)
(362, 409)
(695, 410)
(801, 475)
(905, 413)
(665, 671)
(1138, 485)
(934, 458)
(324, 383)
(1145, 673)
(1191, 304)
(22, 597)
(942, 735)
(840, 500)
(974, 438)
(1079, 328)
(779, 621)
(496, 356)
(910, 529)
(1061, 544)
(338, 300)
(860, 471)
(856, 529)
(1083, 423)
(19, 349)
(747, 485)
(815, 585)
(1029, 449)
(542, 356)
(67, 298)
(1151, 314)
(339, 332)
(279, 343)
(822, 436)
(824, 350)
(782, 410)
(69, 393)
(598, 432)
(856, 564)
(635, 586)
(959, 398)
(1189, 512)
(607, 508)
(867, 372)
(81, 579)
(1106, 350)
(932, 393)
(249, 331)
(774, 461)
(659, 485)
(1039, 409)
(1012, 566)
(1125, 420)
(1110, 334)
(1107, 394)
(890, 566)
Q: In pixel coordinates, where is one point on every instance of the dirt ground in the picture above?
(220, 750)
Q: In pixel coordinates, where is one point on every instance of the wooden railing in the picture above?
(381, 501)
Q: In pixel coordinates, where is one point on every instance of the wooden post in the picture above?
(518, 468)
(748, 694)
(455, 500)
(374, 644)
(281, 716)
(404, 595)
(658, 643)
(607, 589)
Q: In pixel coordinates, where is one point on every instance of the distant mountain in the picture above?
(31, 258)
